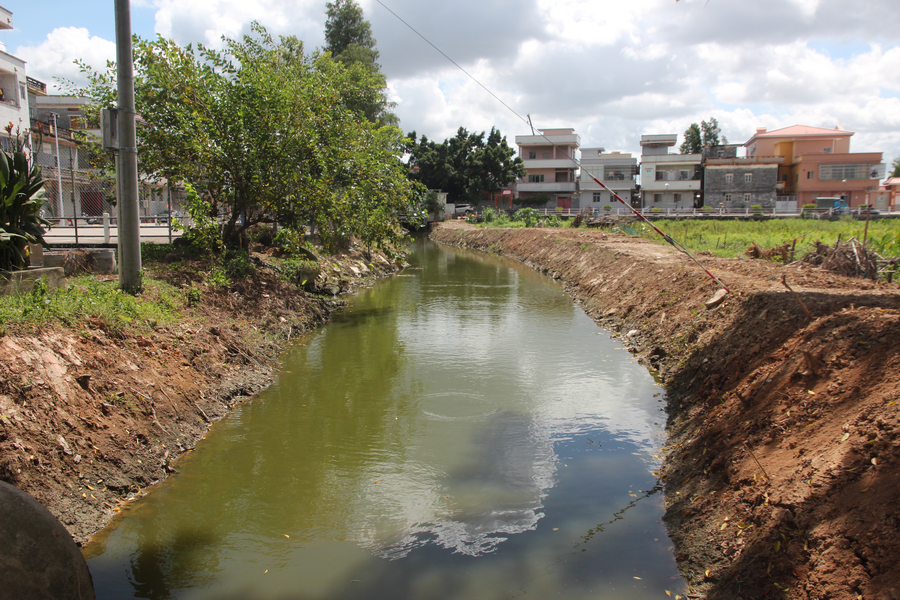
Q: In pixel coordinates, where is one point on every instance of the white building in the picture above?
(13, 90)
(668, 180)
(550, 161)
(616, 170)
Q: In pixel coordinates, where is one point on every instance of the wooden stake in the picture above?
(796, 297)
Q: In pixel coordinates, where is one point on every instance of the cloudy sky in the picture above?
(611, 70)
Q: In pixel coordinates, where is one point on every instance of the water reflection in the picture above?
(459, 432)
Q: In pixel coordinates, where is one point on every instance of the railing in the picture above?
(103, 229)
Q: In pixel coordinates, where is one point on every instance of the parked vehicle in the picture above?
(837, 206)
(464, 209)
(862, 211)
(162, 217)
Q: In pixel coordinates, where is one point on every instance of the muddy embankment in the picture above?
(90, 416)
(782, 469)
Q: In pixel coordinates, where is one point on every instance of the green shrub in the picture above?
(528, 216)
(206, 234)
(21, 198)
(607, 207)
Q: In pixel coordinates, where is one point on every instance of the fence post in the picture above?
(106, 228)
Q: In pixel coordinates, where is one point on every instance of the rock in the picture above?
(717, 298)
(38, 558)
(632, 333)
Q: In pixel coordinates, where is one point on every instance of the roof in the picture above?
(800, 131)
(891, 181)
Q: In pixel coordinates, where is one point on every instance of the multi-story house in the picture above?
(733, 182)
(13, 90)
(668, 180)
(616, 170)
(549, 160)
(818, 163)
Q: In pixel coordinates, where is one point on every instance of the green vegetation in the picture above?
(732, 238)
(705, 134)
(20, 207)
(87, 297)
(524, 217)
(466, 166)
(265, 132)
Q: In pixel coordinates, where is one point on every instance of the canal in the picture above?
(461, 431)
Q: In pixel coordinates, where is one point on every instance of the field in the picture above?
(730, 239)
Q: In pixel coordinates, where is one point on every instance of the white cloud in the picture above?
(53, 59)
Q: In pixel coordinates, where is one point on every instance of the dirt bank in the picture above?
(782, 470)
(89, 416)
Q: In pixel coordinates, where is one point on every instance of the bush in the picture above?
(607, 207)
(528, 216)
(706, 209)
(206, 234)
(757, 208)
(21, 199)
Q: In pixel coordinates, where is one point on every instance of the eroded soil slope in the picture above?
(782, 473)
(90, 416)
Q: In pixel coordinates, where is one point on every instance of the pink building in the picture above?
(550, 161)
(818, 163)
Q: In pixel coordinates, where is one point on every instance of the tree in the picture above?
(692, 141)
(705, 134)
(348, 36)
(895, 168)
(466, 165)
(269, 133)
(710, 130)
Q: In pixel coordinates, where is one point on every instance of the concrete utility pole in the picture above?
(126, 161)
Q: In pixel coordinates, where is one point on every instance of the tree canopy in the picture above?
(349, 39)
(466, 165)
(707, 133)
(895, 168)
(268, 132)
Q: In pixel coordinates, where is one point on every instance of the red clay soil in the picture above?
(89, 416)
(782, 469)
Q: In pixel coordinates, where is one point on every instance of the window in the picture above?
(598, 197)
(747, 198)
(810, 174)
(532, 155)
(827, 150)
(535, 179)
(721, 152)
(729, 177)
(839, 172)
(727, 197)
(677, 197)
(748, 177)
(546, 155)
(657, 197)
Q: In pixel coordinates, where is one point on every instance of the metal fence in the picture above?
(83, 192)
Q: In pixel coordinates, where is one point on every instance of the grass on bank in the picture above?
(732, 238)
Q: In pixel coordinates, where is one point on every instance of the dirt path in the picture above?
(90, 417)
(782, 470)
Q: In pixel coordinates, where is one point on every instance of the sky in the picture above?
(611, 70)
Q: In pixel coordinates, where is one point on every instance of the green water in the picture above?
(461, 431)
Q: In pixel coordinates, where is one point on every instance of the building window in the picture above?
(729, 177)
(784, 178)
(839, 172)
(827, 150)
(748, 177)
(657, 197)
(809, 174)
(727, 197)
(721, 153)
(535, 179)
(747, 198)
(677, 197)
(598, 197)
(532, 155)
(546, 155)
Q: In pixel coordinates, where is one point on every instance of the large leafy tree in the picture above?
(707, 133)
(466, 165)
(268, 132)
(349, 39)
(692, 143)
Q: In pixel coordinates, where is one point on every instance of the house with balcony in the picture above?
(733, 182)
(668, 181)
(551, 165)
(817, 162)
(13, 89)
(617, 170)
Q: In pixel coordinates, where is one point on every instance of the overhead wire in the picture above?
(669, 239)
